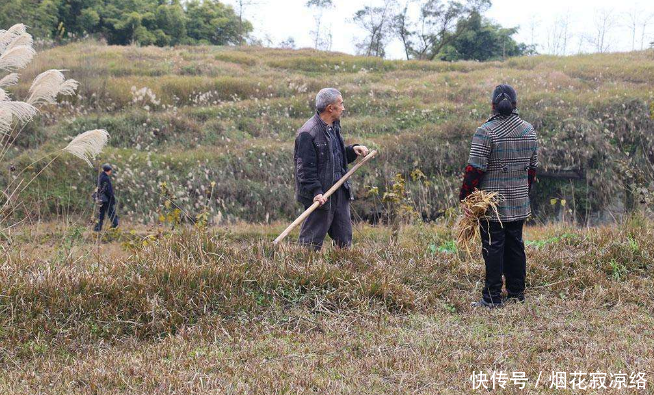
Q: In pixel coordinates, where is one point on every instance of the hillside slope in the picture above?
(188, 116)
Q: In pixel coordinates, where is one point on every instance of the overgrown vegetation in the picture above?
(192, 115)
(16, 53)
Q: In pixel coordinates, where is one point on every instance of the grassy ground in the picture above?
(220, 311)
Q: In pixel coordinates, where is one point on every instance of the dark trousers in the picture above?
(334, 220)
(504, 254)
(109, 209)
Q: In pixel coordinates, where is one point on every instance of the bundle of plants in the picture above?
(477, 207)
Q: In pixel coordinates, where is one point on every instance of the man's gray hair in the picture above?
(326, 97)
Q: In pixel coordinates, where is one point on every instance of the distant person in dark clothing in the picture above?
(321, 159)
(105, 196)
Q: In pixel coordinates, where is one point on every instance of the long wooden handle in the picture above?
(331, 190)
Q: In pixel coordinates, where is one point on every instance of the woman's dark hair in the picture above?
(504, 99)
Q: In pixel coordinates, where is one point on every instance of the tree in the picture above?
(438, 24)
(89, 20)
(377, 22)
(171, 22)
(483, 40)
(119, 27)
(320, 40)
(45, 17)
(122, 22)
(534, 22)
(402, 26)
(289, 43)
(40, 15)
(242, 24)
(558, 35)
(604, 23)
(644, 24)
(436, 20)
(211, 22)
(635, 20)
(632, 19)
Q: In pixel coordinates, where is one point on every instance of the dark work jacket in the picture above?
(105, 189)
(314, 161)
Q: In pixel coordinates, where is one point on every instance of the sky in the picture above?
(539, 22)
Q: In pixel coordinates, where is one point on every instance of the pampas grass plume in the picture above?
(7, 36)
(16, 58)
(9, 80)
(88, 145)
(48, 85)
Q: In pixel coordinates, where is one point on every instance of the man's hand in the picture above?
(466, 211)
(361, 150)
(320, 198)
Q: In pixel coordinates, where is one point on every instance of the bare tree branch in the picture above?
(320, 40)
(605, 20)
(377, 21)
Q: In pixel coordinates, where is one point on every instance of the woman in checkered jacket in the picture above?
(503, 158)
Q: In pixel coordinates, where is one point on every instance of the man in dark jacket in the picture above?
(105, 196)
(321, 159)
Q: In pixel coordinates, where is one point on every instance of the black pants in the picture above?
(504, 253)
(109, 209)
(335, 221)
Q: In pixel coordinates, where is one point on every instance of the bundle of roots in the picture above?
(477, 207)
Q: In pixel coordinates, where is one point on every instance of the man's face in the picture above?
(336, 108)
(108, 172)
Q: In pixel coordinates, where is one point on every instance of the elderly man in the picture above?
(321, 159)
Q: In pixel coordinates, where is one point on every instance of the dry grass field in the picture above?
(153, 311)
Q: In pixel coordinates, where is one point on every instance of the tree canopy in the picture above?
(477, 38)
(453, 30)
(122, 22)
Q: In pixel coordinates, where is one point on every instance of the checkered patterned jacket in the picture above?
(505, 148)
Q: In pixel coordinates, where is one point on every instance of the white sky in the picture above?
(277, 20)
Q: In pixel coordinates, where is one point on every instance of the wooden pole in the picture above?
(331, 190)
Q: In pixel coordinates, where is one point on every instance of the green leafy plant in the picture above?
(168, 213)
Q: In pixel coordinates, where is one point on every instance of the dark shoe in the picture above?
(513, 299)
(483, 303)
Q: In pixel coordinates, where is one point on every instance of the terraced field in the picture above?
(188, 116)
